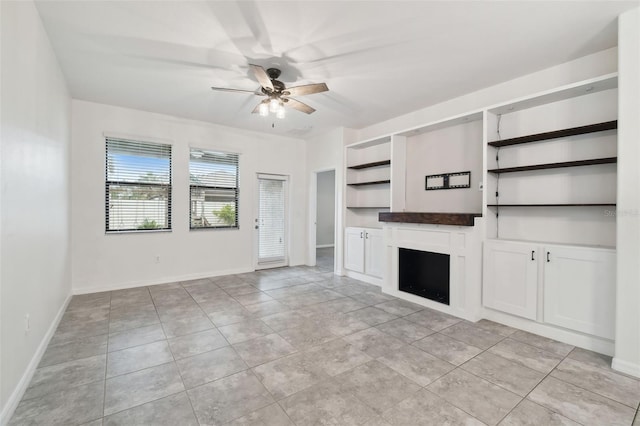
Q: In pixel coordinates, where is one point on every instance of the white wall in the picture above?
(323, 153)
(600, 63)
(35, 263)
(111, 261)
(627, 350)
(448, 150)
(326, 208)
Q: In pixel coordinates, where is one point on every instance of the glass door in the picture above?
(271, 223)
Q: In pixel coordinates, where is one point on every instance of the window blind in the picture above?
(214, 191)
(138, 186)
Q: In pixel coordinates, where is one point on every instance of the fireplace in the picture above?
(424, 274)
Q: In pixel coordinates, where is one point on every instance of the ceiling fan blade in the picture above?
(307, 89)
(256, 109)
(226, 89)
(292, 103)
(262, 76)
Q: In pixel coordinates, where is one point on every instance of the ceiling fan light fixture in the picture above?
(274, 105)
(263, 109)
(281, 113)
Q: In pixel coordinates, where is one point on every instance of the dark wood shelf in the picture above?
(368, 165)
(574, 131)
(457, 219)
(563, 164)
(554, 205)
(373, 182)
(368, 207)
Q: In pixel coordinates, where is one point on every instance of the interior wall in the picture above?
(35, 263)
(326, 152)
(326, 209)
(627, 350)
(448, 150)
(103, 262)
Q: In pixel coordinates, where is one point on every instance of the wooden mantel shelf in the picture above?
(457, 219)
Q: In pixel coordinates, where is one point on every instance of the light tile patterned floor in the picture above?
(300, 346)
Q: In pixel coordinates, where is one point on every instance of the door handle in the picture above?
(533, 252)
(548, 260)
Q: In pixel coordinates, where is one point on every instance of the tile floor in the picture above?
(300, 346)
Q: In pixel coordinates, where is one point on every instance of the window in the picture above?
(138, 186)
(213, 178)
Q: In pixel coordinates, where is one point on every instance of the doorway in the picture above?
(325, 219)
(271, 222)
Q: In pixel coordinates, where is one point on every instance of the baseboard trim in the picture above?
(144, 283)
(626, 367)
(362, 277)
(21, 388)
(325, 245)
(585, 341)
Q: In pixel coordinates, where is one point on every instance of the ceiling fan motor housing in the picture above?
(278, 86)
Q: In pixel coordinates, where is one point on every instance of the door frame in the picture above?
(256, 213)
(313, 209)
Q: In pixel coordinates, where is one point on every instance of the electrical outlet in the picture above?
(27, 323)
(480, 186)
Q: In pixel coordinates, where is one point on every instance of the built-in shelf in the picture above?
(457, 219)
(563, 164)
(373, 182)
(368, 207)
(574, 131)
(554, 205)
(369, 165)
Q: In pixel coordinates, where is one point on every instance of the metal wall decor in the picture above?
(448, 181)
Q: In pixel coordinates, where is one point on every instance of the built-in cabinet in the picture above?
(510, 278)
(541, 198)
(577, 284)
(580, 288)
(550, 197)
(364, 251)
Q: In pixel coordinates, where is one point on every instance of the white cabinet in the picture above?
(364, 251)
(354, 249)
(578, 284)
(579, 289)
(510, 278)
(374, 252)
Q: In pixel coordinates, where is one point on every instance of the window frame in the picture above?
(168, 187)
(236, 190)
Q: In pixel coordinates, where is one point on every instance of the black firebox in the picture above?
(424, 274)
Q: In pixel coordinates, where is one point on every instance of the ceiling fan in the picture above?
(278, 95)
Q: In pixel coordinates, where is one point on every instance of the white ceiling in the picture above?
(380, 59)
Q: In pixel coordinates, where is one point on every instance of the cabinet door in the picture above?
(510, 278)
(354, 249)
(374, 252)
(580, 289)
